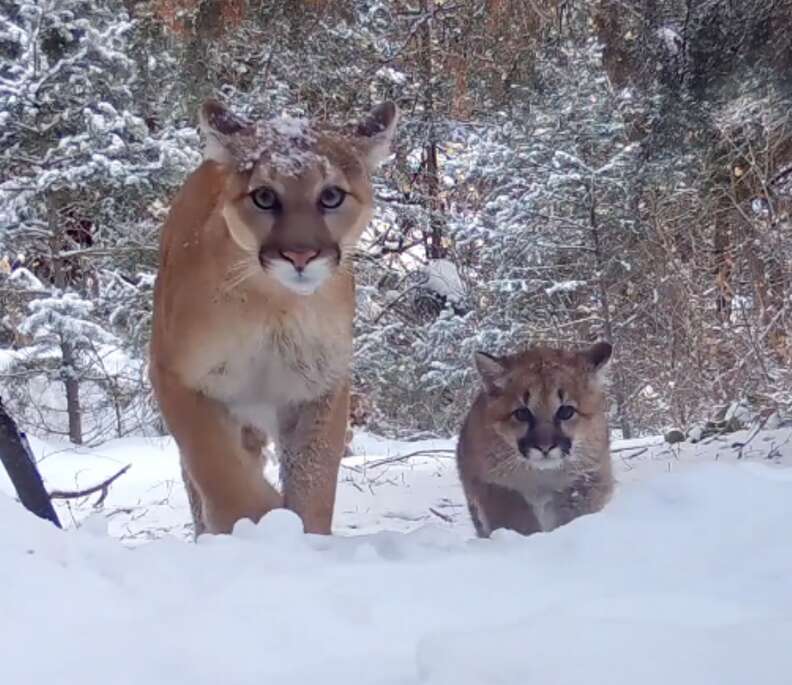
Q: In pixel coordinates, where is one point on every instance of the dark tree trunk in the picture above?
(434, 241)
(68, 369)
(72, 385)
(619, 391)
(22, 470)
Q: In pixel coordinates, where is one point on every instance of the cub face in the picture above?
(297, 196)
(545, 403)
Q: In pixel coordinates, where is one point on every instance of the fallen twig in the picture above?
(637, 453)
(441, 515)
(405, 457)
(103, 487)
(636, 447)
(740, 446)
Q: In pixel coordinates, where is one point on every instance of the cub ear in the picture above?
(492, 371)
(376, 132)
(598, 356)
(221, 127)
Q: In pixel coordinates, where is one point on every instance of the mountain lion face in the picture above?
(546, 403)
(299, 194)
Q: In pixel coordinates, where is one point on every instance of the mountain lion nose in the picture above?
(543, 447)
(544, 443)
(300, 258)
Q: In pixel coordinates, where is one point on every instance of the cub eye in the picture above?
(332, 197)
(523, 414)
(265, 198)
(565, 412)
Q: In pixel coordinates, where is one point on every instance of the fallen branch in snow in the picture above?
(639, 451)
(405, 457)
(740, 446)
(104, 486)
(441, 515)
(636, 447)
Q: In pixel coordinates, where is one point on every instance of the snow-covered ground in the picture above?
(685, 577)
(391, 485)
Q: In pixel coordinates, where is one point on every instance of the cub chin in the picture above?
(534, 451)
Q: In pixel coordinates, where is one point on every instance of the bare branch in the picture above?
(103, 487)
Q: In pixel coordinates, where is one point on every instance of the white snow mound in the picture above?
(684, 578)
(442, 277)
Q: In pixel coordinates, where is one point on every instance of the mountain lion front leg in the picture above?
(493, 506)
(196, 507)
(223, 475)
(312, 442)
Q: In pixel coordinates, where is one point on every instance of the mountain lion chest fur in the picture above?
(253, 311)
(275, 362)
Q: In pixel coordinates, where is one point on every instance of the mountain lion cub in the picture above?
(534, 450)
(253, 308)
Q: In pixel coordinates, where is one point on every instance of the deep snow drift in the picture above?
(686, 577)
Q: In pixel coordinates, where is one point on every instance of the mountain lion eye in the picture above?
(264, 198)
(565, 412)
(332, 197)
(523, 414)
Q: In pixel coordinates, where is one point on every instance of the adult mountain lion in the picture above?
(534, 451)
(253, 308)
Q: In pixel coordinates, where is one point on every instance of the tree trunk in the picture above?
(434, 241)
(723, 249)
(22, 470)
(68, 368)
(72, 385)
(619, 392)
(207, 26)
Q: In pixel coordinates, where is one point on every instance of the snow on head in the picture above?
(286, 145)
(291, 127)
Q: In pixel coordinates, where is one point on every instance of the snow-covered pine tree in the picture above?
(68, 378)
(83, 174)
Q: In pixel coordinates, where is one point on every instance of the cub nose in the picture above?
(545, 449)
(545, 446)
(300, 258)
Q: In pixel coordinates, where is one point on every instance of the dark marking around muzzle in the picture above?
(544, 436)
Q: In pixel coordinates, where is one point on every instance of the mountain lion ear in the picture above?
(376, 132)
(597, 356)
(492, 371)
(220, 126)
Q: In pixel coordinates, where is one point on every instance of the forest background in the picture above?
(565, 171)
